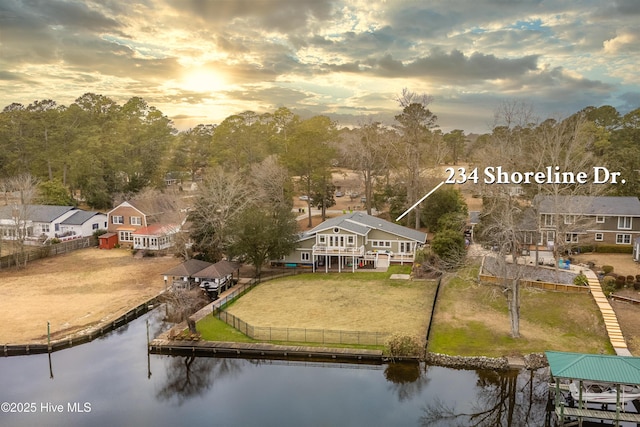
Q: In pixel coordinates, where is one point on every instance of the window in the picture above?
(117, 219)
(380, 244)
(548, 220)
(569, 219)
(45, 228)
(624, 223)
(135, 220)
(350, 240)
(600, 219)
(305, 256)
(125, 236)
(571, 238)
(599, 237)
(94, 226)
(322, 239)
(623, 239)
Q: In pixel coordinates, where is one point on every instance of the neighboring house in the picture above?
(352, 241)
(586, 220)
(82, 224)
(34, 222)
(142, 224)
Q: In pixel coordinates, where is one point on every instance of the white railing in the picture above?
(338, 250)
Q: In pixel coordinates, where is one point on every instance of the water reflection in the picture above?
(407, 380)
(512, 398)
(188, 377)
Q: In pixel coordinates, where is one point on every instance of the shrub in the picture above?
(580, 280)
(607, 269)
(636, 286)
(614, 249)
(637, 277)
(608, 280)
(620, 281)
(399, 345)
(630, 279)
(608, 288)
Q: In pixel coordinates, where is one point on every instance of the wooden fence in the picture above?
(547, 286)
(34, 253)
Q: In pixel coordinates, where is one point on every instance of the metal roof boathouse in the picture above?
(586, 385)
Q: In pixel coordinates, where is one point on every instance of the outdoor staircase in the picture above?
(609, 316)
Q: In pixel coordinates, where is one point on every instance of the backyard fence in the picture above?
(323, 336)
(32, 254)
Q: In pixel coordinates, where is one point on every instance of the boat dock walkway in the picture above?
(609, 316)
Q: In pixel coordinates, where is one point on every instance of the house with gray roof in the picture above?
(82, 224)
(353, 241)
(34, 222)
(577, 220)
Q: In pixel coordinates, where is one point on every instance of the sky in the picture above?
(200, 61)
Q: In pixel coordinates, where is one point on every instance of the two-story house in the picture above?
(142, 224)
(352, 241)
(586, 220)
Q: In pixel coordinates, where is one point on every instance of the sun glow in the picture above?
(202, 80)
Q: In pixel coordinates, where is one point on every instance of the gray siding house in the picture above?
(354, 241)
(576, 220)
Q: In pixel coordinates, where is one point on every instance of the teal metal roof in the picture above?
(595, 367)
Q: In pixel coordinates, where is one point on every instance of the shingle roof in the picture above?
(218, 270)
(188, 268)
(361, 223)
(589, 205)
(37, 213)
(595, 367)
(80, 217)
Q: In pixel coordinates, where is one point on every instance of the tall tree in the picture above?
(416, 124)
(309, 154)
(455, 141)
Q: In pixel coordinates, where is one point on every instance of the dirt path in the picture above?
(74, 291)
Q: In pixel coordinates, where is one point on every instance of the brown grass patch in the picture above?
(339, 303)
(74, 291)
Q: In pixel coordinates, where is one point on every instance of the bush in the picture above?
(620, 281)
(608, 280)
(608, 288)
(637, 277)
(636, 286)
(630, 279)
(399, 345)
(607, 269)
(614, 249)
(580, 280)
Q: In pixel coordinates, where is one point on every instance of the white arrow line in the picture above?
(419, 201)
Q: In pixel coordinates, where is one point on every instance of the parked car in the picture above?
(339, 194)
(304, 197)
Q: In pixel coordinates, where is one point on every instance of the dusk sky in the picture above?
(200, 61)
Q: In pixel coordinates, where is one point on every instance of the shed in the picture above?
(108, 240)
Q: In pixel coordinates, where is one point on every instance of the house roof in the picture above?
(362, 223)
(218, 270)
(80, 217)
(594, 367)
(589, 205)
(188, 268)
(37, 213)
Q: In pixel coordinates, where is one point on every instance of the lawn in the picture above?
(370, 302)
(75, 291)
(473, 319)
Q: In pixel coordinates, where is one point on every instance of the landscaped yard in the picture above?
(74, 291)
(473, 319)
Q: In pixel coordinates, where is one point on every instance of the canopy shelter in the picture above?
(618, 373)
(217, 277)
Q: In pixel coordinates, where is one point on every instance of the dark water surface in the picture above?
(113, 382)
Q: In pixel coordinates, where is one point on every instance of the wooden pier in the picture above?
(564, 411)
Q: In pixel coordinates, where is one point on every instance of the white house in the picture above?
(34, 222)
(82, 224)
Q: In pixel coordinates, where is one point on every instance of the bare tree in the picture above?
(21, 225)
(271, 183)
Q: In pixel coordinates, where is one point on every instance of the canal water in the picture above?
(112, 381)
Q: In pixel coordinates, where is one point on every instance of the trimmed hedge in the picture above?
(606, 249)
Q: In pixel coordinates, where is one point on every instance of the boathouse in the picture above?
(594, 387)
